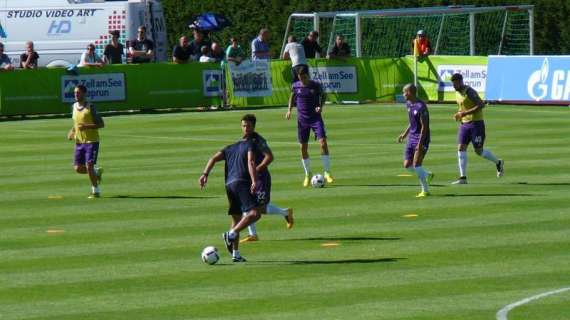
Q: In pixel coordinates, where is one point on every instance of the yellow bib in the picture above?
(83, 115)
(465, 103)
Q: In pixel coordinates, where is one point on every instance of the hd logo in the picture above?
(2, 32)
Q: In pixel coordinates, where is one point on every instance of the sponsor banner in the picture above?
(100, 87)
(474, 76)
(212, 83)
(336, 79)
(529, 78)
(251, 79)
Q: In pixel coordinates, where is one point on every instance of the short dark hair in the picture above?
(301, 71)
(81, 88)
(142, 28)
(250, 117)
(456, 76)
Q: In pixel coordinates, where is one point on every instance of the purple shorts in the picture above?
(86, 153)
(263, 189)
(473, 132)
(304, 129)
(410, 149)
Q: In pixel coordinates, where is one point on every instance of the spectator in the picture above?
(217, 52)
(260, 46)
(340, 50)
(142, 49)
(205, 57)
(197, 44)
(311, 45)
(5, 62)
(182, 52)
(114, 51)
(234, 52)
(29, 59)
(295, 52)
(90, 58)
(420, 45)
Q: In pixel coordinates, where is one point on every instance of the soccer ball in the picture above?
(317, 181)
(210, 255)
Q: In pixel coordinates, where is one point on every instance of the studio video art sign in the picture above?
(251, 78)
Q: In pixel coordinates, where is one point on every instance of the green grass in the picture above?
(135, 253)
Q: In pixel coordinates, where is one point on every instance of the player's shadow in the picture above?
(158, 197)
(334, 262)
(488, 195)
(543, 183)
(375, 185)
(362, 238)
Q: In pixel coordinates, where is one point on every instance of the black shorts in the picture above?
(240, 198)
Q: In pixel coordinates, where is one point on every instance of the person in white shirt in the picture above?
(90, 58)
(205, 57)
(296, 52)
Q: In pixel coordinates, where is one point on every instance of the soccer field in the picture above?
(361, 248)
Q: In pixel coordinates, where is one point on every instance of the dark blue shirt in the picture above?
(235, 155)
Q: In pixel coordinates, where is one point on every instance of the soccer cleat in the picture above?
(430, 178)
(239, 259)
(423, 194)
(461, 180)
(500, 168)
(328, 177)
(99, 174)
(307, 180)
(94, 195)
(228, 242)
(289, 218)
(249, 238)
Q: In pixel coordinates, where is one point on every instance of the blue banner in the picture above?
(529, 79)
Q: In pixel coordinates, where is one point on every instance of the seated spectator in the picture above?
(5, 62)
(182, 53)
(341, 50)
(234, 52)
(90, 58)
(311, 45)
(29, 59)
(217, 52)
(205, 57)
(142, 49)
(197, 43)
(260, 46)
(114, 51)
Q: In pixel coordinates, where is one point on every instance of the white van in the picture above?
(62, 29)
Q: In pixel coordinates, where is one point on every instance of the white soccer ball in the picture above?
(318, 181)
(210, 255)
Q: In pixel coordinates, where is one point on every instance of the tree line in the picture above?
(551, 22)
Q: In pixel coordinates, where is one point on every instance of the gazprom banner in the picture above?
(335, 79)
(251, 78)
(100, 87)
(529, 78)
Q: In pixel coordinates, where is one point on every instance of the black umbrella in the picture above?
(209, 22)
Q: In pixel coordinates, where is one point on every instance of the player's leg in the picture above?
(92, 150)
(286, 213)
(319, 129)
(236, 257)
(479, 142)
(303, 132)
(463, 139)
(424, 176)
(79, 159)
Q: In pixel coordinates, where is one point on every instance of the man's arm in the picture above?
(251, 169)
(404, 134)
(218, 156)
(290, 105)
(424, 121)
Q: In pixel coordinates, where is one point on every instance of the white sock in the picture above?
(306, 166)
(489, 156)
(273, 209)
(326, 162)
(95, 189)
(251, 230)
(235, 254)
(422, 174)
(462, 158)
(232, 234)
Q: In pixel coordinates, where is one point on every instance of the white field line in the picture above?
(502, 314)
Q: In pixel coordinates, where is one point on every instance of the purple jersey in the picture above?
(416, 111)
(307, 98)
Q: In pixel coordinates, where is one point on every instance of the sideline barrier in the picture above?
(165, 85)
(119, 87)
(529, 79)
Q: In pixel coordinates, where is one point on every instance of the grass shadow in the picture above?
(543, 184)
(158, 197)
(487, 195)
(379, 185)
(332, 262)
(362, 238)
